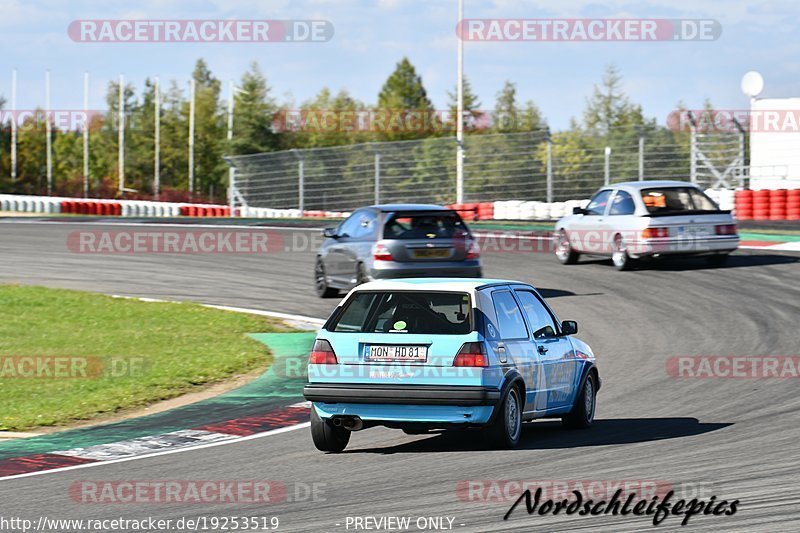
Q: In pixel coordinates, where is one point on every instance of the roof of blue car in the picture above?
(388, 208)
(448, 284)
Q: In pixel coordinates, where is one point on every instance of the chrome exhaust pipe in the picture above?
(353, 423)
(350, 423)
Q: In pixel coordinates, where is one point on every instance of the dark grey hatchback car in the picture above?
(395, 241)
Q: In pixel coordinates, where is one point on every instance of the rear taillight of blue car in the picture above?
(322, 353)
(472, 354)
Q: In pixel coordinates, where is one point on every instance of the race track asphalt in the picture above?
(732, 438)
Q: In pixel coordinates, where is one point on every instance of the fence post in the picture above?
(607, 170)
(377, 173)
(549, 166)
(693, 149)
(301, 178)
(742, 153)
(641, 154)
(232, 190)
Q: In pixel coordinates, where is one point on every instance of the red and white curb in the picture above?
(274, 422)
(241, 429)
(770, 245)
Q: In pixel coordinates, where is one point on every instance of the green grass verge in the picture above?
(121, 353)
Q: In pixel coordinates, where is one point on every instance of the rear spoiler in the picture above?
(691, 212)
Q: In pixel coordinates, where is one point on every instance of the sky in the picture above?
(371, 36)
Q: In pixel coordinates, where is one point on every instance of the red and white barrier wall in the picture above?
(124, 208)
(779, 204)
(141, 208)
(517, 210)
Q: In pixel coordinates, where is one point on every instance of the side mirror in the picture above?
(578, 211)
(330, 233)
(569, 327)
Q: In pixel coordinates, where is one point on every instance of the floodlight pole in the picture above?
(48, 131)
(191, 136)
(14, 126)
(121, 133)
(86, 135)
(231, 169)
(460, 111)
(157, 140)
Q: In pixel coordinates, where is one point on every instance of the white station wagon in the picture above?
(633, 220)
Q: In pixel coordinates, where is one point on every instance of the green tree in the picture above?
(210, 170)
(609, 107)
(505, 118)
(254, 110)
(330, 120)
(473, 115)
(402, 95)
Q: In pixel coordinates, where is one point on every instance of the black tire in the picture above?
(582, 414)
(326, 436)
(717, 259)
(321, 282)
(620, 257)
(506, 428)
(564, 252)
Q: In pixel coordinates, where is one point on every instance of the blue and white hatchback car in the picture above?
(422, 354)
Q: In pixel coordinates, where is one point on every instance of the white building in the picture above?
(775, 143)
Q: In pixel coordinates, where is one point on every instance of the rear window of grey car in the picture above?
(434, 313)
(509, 316)
(676, 199)
(425, 226)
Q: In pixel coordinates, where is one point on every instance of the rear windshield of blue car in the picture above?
(433, 313)
(444, 225)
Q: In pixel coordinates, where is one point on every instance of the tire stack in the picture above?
(486, 211)
(761, 201)
(777, 204)
(793, 204)
(744, 205)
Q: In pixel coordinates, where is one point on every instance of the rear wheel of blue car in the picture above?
(582, 414)
(506, 428)
(326, 436)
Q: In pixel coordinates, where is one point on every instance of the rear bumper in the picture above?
(670, 246)
(401, 394)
